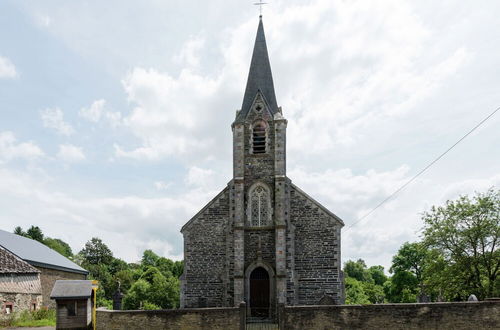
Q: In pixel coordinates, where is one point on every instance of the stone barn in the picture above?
(262, 239)
(20, 288)
(51, 265)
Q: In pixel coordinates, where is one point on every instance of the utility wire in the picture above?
(422, 171)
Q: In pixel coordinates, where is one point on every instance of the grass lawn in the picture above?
(38, 318)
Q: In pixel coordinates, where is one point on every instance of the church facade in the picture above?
(262, 239)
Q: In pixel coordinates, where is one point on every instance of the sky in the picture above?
(115, 116)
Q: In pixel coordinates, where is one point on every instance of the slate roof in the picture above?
(9, 263)
(260, 77)
(71, 289)
(37, 254)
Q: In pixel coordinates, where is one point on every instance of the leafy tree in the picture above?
(96, 252)
(466, 231)
(401, 288)
(357, 269)
(137, 295)
(125, 278)
(411, 257)
(178, 268)
(377, 274)
(34, 232)
(59, 246)
(355, 293)
(149, 258)
(374, 292)
(19, 231)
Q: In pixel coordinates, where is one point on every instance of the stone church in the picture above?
(262, 239)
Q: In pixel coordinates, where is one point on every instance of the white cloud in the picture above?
(70, 153)
(161, 185)
(97, 111)
(168, 116)
(7, 69)
(94, 112)
(54, 118)
(11, 149)
(144, 222)
(200, 177)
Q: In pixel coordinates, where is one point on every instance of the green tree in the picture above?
(137, 295)
(355, 293)
(377, 274)
(19, 231)
(466, 231)
(402, 287)
(96, 252)
(357, 269)
(149, 258)
(59, 246)
(411, 257)
(34, 232)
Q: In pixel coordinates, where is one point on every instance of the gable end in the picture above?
(317, 204)
(209, 204)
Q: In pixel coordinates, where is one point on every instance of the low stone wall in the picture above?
(460, 315)
(185, 319)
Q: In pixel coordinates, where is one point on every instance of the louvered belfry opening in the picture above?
(259, 138)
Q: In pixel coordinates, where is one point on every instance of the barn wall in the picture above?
(49, 276)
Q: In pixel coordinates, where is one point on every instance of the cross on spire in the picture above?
(260, 4)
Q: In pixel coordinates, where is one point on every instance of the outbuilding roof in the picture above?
(10, 263)
(37, 254)
(71, 289)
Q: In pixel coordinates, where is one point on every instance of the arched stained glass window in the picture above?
(259, 206)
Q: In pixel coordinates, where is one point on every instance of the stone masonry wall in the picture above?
(205, 272)
(20, 301)
(185, 319)
(48, 277)
(266, 245)
(439, 316)
(316, 252)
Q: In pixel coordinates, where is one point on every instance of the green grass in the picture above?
(38, 318)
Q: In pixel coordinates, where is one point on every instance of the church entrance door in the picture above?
(259, 293)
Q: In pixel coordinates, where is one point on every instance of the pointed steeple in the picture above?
(260, 78)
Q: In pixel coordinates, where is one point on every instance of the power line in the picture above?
(423, 170)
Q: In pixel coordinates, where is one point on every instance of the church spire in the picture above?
(260, 78)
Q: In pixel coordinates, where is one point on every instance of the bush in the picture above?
(38, 318)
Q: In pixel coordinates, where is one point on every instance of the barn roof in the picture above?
(37, 254)
(10, 263)
(71, 289)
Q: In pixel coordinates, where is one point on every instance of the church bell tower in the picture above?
(259, 183)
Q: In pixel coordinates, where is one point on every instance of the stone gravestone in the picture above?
(472, 297)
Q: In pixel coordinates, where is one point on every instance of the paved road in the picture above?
(38, 328)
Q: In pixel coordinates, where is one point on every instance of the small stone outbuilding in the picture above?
(20, 288)
(75, 304)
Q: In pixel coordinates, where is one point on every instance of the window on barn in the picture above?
(9, 308)
(259, 138)
(71, 306)
(259, 206)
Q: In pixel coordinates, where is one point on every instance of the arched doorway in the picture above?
(259, 293)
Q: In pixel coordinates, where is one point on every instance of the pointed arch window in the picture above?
(259, 137)
(259, 206)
